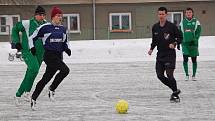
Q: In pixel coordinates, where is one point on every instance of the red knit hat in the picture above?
(55, 10)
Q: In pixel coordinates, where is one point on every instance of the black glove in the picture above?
(68, 52)
(33, 51)
(178, 47)
(18, 46)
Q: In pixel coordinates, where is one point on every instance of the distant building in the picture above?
(107, 19)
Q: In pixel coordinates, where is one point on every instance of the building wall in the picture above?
(144, 15)
(206, 19)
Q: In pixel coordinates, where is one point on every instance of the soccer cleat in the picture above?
(186, 78)
(194, 78)
(33, 104)
(174, 98)
(177, 92)
(51, 95)
(17, 100)
(27, 96)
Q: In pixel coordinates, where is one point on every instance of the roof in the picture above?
(52, 2)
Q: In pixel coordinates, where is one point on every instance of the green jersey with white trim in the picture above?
(26, 27)
(190, 29)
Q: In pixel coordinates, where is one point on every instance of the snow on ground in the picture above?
(126, 50)
(92, 88)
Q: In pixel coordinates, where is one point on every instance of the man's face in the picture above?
(40, 17)
(189, 14)
(58, 18)
(162, 15)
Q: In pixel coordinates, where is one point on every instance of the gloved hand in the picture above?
(68, 52)
(179, 47)
(33, 51)
(18, 46)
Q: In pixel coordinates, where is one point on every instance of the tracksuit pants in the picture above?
(54, 62)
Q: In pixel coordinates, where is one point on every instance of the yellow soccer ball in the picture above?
(121, 106)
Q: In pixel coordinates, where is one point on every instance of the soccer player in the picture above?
(191, 30)
(55, 43)
(166, 36)
(27, 27)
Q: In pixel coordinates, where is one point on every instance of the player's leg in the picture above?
(160, 68)
(30, 75)
(51, 69)
(170, 68)
(63, 72)
(174, 96)
(49, 73)
(185, 65)
(194, 65)
(171, 78)
(51, 60)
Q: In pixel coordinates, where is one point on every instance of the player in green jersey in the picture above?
(27, 27)
(191, 30)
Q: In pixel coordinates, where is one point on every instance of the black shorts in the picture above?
(166, 64)
(166, 60)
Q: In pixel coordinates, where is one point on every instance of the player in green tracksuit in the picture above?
(191, 30)
(27, 27)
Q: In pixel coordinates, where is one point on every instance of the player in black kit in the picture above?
(166, 37)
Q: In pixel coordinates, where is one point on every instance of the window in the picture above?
(120, 22)
(72, 22)
(175, 17)
(3, 24)
(7, 22)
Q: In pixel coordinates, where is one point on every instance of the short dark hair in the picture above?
(162, 9)
(189, 9)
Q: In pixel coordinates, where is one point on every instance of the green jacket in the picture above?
(191, 30)
(26, 28)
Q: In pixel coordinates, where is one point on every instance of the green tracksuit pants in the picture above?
(33, 64)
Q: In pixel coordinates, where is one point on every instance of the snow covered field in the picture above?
(104, 71)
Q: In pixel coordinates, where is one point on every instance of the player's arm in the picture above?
(38, 33)
(154, 41)
(181, 28)
(15, 32)
(15, 35)
(178, 37)
(66, 44)
(198, 30)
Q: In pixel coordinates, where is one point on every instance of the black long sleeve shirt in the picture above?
(162, 37)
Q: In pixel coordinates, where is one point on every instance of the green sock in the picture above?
(185, 65)
(194, 69)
